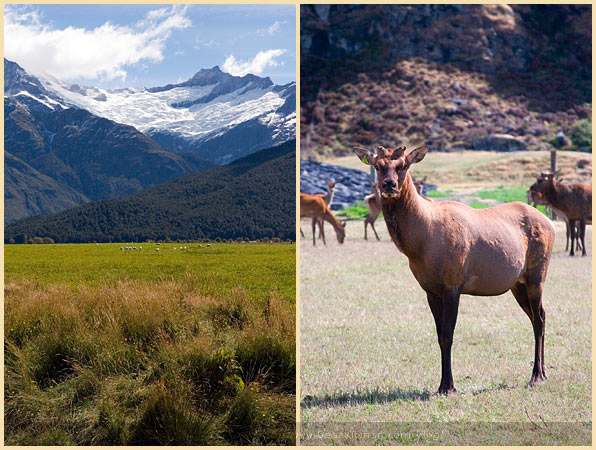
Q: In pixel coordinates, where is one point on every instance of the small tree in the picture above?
(47, 240)
(37, 240)
(581, 133)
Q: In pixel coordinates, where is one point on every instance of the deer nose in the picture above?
(388, 185)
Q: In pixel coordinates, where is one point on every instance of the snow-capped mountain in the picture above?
(215, 115)
(57, 156)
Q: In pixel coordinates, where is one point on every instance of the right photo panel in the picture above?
(446, 223)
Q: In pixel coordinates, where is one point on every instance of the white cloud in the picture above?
(275, 27)
(81, 53)
(256, 66)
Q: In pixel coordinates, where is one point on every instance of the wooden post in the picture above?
(553, 161)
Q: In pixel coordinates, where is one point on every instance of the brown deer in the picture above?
(373, 201)
(538, 199)
(328, 197)
(454, 249)
(419, 184)
(574, 201)
(315, 207)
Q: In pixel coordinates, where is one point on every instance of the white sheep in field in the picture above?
(208, 245)
(174, 248)
(185, 247)
(200, 246)
(140, 248)
(157, 249)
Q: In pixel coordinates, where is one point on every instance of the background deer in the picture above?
(373, 201)
(574, 201)
(538, 199)
(454, 249)
(328, 197)
(315, 207)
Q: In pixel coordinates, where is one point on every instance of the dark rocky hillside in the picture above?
(446, 75)
(253, 197)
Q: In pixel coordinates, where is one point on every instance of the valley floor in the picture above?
(111, 347)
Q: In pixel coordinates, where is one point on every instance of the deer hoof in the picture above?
(447, 391)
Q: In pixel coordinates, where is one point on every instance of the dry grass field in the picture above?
(370, 362)
(106, 347)
(455, 170)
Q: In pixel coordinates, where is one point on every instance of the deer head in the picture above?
(331, 184)
(543, 181)
(391, 166)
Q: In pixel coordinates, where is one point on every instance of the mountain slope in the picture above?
(184, 117)
(252, 197)
(28, 192)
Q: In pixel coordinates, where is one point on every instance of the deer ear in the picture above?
(416, 155)
(365, 156)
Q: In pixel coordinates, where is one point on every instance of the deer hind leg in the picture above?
(321, 225)
(444, 310)
(314, 234)
(573, 236)
(529, 298)
(365, 225)
(372, 225)
(582, 232)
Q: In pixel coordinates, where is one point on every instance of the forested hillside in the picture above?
(253, 197)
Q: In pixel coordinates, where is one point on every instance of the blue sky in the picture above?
(116, 46)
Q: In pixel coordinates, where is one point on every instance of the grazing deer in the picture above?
(538, 199)
(454, 249)
(328, 197)
(315, 207)
(574, 201)
(373, 201)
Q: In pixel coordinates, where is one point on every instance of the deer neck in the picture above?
(377, 193)
(329, 196)
(553, 192)
(333, 221)
(407, 218)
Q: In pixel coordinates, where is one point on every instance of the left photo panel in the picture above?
(149, 224)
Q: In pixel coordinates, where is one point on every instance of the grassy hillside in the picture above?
(108, 347)
(252, 197)
(444, 75)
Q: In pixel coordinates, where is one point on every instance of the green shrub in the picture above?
(581, 133)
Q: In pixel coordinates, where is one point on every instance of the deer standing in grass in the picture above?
(314, 206)
(328, 197)
(574, 201)
(538, 199)
(454, 249)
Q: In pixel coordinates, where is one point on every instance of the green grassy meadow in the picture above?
(370, 362)
(111, 347)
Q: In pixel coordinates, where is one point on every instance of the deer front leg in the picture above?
(365, 225)
(572, 233)
(444, 311)
(314, 224)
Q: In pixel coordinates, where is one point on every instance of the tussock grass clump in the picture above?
(147, 363)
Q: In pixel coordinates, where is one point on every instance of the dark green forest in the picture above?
(253, 197)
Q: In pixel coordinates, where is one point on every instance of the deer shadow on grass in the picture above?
(365, 397)
(378, 397)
